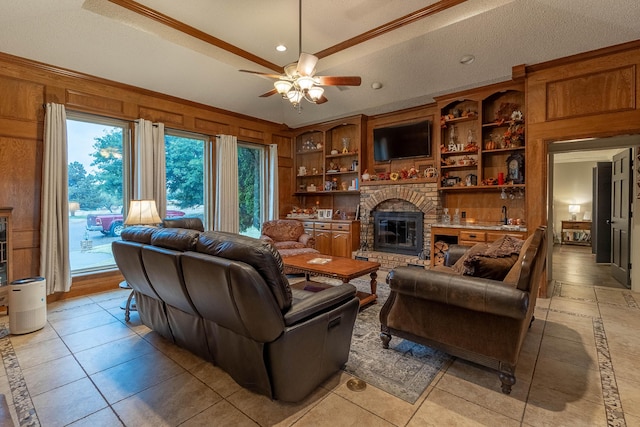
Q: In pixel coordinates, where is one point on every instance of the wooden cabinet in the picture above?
(576, 233)
(467, 236)
(337, 238)
(327, 158)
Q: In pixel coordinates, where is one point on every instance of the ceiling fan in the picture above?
(299, 81)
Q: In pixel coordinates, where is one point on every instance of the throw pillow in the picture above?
(459, 266)
(495, 261)
(491, 268)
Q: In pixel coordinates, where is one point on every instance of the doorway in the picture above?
(571, 196)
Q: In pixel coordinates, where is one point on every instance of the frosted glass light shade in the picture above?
(315, 93)
(282, 86)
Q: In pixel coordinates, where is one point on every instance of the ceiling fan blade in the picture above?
(271, 92)
(322, 100)
(338, 80)
(258, 73)
(307, 64)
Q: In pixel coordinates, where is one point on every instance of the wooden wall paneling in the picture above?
(553, 116)
(76, 99)
(21, 166)
(26, 262)
(488, 208)
(594, 93)
(211, 127)
(21, 99)
(167, 117)
(251, 134)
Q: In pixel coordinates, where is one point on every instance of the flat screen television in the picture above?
(398, 142)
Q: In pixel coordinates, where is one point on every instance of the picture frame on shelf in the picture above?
(328, 213)
(515, 168)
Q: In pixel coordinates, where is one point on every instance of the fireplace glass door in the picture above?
(398, 232)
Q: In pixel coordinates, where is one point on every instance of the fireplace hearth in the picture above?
(398, 232)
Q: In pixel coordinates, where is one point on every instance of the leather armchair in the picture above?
(481, 320)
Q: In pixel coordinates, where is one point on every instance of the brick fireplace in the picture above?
(389, 196)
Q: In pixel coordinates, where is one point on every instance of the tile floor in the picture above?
(87, 367)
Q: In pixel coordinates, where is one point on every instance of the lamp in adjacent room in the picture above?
(573, 210)
(141, 212)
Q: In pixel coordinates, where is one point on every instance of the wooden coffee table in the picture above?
(345, 269)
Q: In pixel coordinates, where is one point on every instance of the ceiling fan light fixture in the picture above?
(282, 86)
(305, 83)
(294, 96)
(315, 93)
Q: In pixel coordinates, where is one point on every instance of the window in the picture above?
(251, 179)
(186, 170)
(97, 152)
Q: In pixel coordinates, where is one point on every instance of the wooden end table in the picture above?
(345, 269)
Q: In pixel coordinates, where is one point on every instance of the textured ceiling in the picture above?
(413, 63)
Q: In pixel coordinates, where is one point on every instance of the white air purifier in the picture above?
(27, 305)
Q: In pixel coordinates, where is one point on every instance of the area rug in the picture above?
(405, 369)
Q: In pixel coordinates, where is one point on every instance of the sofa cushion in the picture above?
(138, 233)
(178, 239)
(259, 254)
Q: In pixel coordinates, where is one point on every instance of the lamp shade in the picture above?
(143, 212)
(282, 86)
(574, 209)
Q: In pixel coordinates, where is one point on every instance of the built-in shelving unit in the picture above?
(328, 157)
(481, 150)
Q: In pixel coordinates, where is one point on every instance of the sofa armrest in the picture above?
(266, 238)
(319, 302)
(473, 293)
(307, 240)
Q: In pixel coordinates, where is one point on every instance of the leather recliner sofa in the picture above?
(477, 319)
(225, 298)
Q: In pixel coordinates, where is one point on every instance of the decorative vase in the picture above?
(345, 145)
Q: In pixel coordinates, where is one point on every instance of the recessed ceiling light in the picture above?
(467, 59)
(376, 85)
(281, 48)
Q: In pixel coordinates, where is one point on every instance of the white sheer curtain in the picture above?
(227, 216)
(150, 167)
(273, 208)
(55, 266)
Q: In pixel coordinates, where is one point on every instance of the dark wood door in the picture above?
(601, 221)
(621, 216)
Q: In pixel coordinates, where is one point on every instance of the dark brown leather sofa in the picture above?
(224, 297)
(477, 319)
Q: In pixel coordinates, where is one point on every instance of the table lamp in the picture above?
(573, 210)
(141, 212)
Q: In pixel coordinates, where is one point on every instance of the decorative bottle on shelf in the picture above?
(446, 218)
(345, 145)
(456, 216)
